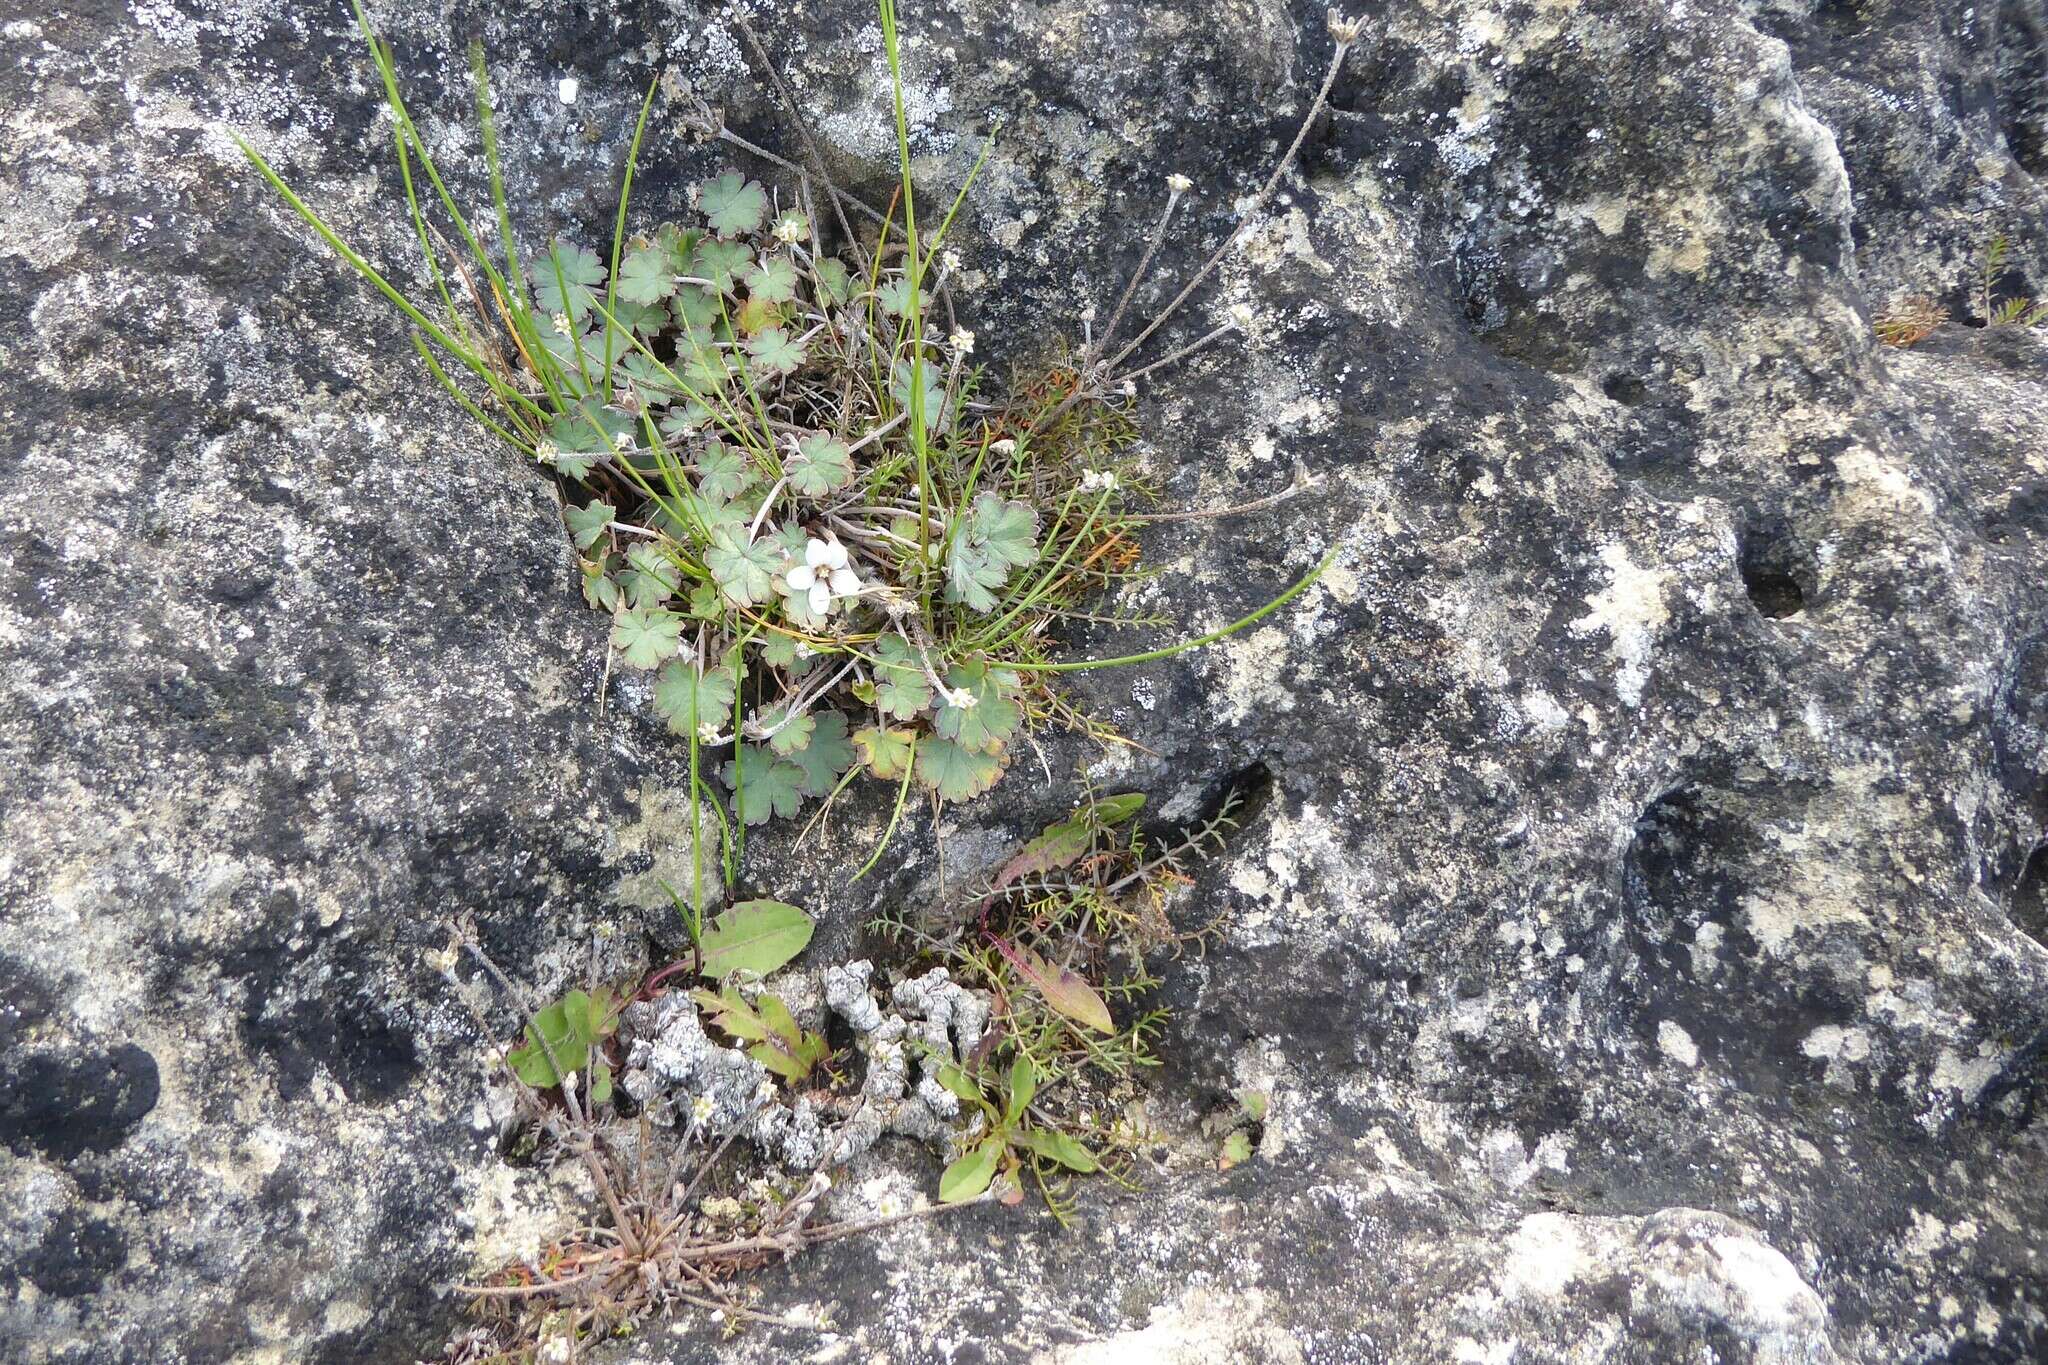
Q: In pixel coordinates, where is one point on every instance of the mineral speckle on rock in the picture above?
(1640, 921)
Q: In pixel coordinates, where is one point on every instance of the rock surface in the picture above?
(1640, 931)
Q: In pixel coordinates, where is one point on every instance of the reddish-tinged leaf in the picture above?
(1061, 845)
(1062, 988)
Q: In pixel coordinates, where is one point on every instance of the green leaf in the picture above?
(567, 280)
(744, 573)
(821, 464)
(721, 263)
(996, 536)
(894, 296)
(772, 280)
(757, 936)
(968, 1177)
(991, 718)
(645, 637)
(955, 773)
(681, 246)
(886, 752)
(571, 1026)
(1023, 1085)
(775, 351)
(645, 276)
(648, 379)
(722, 472)
(1114, 810)
(695, 310)
(789, 736)
(734, 206)
(1253, 1102)
(1009, 530)
(936, 418)
(682, 688)
(1064, 1148)
(730, 1011)
(827, 756)
(642, 319)
(958, 1081)
(765, 785)
(1237, 1149)
(587, 523)
(901, 688)
(1062, 987)
(600, 590)
(653, 578)
(781, 1024)
(565, 347)
(833, 284)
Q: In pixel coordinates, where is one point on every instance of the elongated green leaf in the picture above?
(968, 1177)
(755, 936)
(1023, 1085)
(1064, 1148)
(1114, 810)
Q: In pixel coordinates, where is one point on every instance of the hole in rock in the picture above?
(1625, 389)
(1776, 569)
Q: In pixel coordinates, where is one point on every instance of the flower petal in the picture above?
(801, 578)
(821, 598)
(845, 582)
(817, 553)
(835, 554)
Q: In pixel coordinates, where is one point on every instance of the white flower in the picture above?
(963, 341)
(561, 324)
(1344, 32)
(1007, 446)
(567, 88)
(1241, 316)
(764, 1093)
(949, 259)
(888, 1206)
(1098, 481)
(701, 1109)
(1179, 183)
(958, 698)
(791, 228)
(1129, 389)
(555, 1351)
(824, 575)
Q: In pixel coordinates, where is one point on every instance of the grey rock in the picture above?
(1638, 921)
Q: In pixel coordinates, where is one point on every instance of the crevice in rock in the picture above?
(2023, 85)
(2027, 908)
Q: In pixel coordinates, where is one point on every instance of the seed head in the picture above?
(1179, 183)
(1344, 32)
(962, 341)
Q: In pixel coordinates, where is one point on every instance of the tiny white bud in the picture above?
(949, 260)
(1006, 446)
(1179, 183)
(962, 341)
(1241, 316)
(560, 322)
